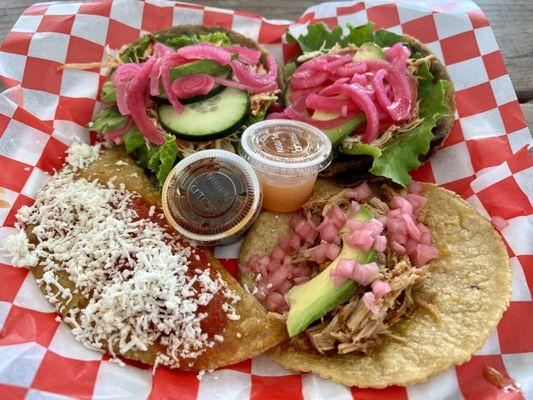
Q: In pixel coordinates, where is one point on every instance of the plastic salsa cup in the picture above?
(212, 197)
(287, 157)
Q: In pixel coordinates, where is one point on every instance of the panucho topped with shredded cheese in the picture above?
(123, 280)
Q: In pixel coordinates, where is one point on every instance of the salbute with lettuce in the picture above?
(185, 89)
(383, 99)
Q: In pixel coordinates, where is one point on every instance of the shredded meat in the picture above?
(354, 328)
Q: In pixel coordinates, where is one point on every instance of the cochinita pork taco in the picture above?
(378, 285)
(384, 100)
(125, 283)
(184, 89)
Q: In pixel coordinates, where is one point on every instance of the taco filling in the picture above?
(353, 265)
(182, 90)
(378, 96)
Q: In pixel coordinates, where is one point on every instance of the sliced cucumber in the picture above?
(208, 119)
(198, 67)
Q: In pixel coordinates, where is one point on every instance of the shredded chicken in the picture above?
(257, 101)
(353, 328)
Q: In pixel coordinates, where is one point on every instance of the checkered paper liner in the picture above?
(43, 111)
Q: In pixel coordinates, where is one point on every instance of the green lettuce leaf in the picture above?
(360, 34)
(400, 154)
(320, 37)
(133, 140)
(108, 94)
(159, 160)
(134, 53)
(168, 154)
(107, 120)
(178, 41)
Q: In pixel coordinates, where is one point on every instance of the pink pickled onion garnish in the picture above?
(121, 79)
(352, 68)
(169, 61)
(360, 193)
(365, 274)
(247, 76)
(380, 288)
(193, 85)
(318, 102)
(342, 271)
(291, 113)
(400, 108)
(160, 50)
(381, 92)
(195, 52)
(369, 300)
(398, 55)
(136, 101)
(308, 79)
(317, 253)
(245, 54)
(364, 103)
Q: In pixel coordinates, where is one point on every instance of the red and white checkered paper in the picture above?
(44, 111)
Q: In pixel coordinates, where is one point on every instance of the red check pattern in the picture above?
(45, 110)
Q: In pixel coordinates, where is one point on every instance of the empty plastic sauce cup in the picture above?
(287, 157)
(212, 197)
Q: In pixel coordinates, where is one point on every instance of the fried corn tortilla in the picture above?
(472, 284)
(255, 331)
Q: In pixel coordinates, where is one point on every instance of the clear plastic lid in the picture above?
(286, 147)
(212, 197)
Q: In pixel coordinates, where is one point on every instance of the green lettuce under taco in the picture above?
(184, 89)
(385, 100)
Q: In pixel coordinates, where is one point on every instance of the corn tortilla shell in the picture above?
(258, 330)
(472, 283)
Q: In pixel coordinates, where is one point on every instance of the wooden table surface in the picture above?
(511, 20)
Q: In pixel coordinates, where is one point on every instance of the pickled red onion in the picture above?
(398, 55)
(349, 69)
(193, 85)
(245, 54)
(195, 52)
(136, 98)
(291, 113)
(381, 92)
(365, 104)
(318, 102)
(121, 79)
(169, 61)
(248, 77)
(400, 108)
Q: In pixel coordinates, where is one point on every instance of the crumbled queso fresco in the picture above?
(133, 272)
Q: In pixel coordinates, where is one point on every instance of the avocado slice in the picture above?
(315, 298)
(338, 133)
(369, 51)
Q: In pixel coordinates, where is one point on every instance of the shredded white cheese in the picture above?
(134, 274)
(80, 155)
